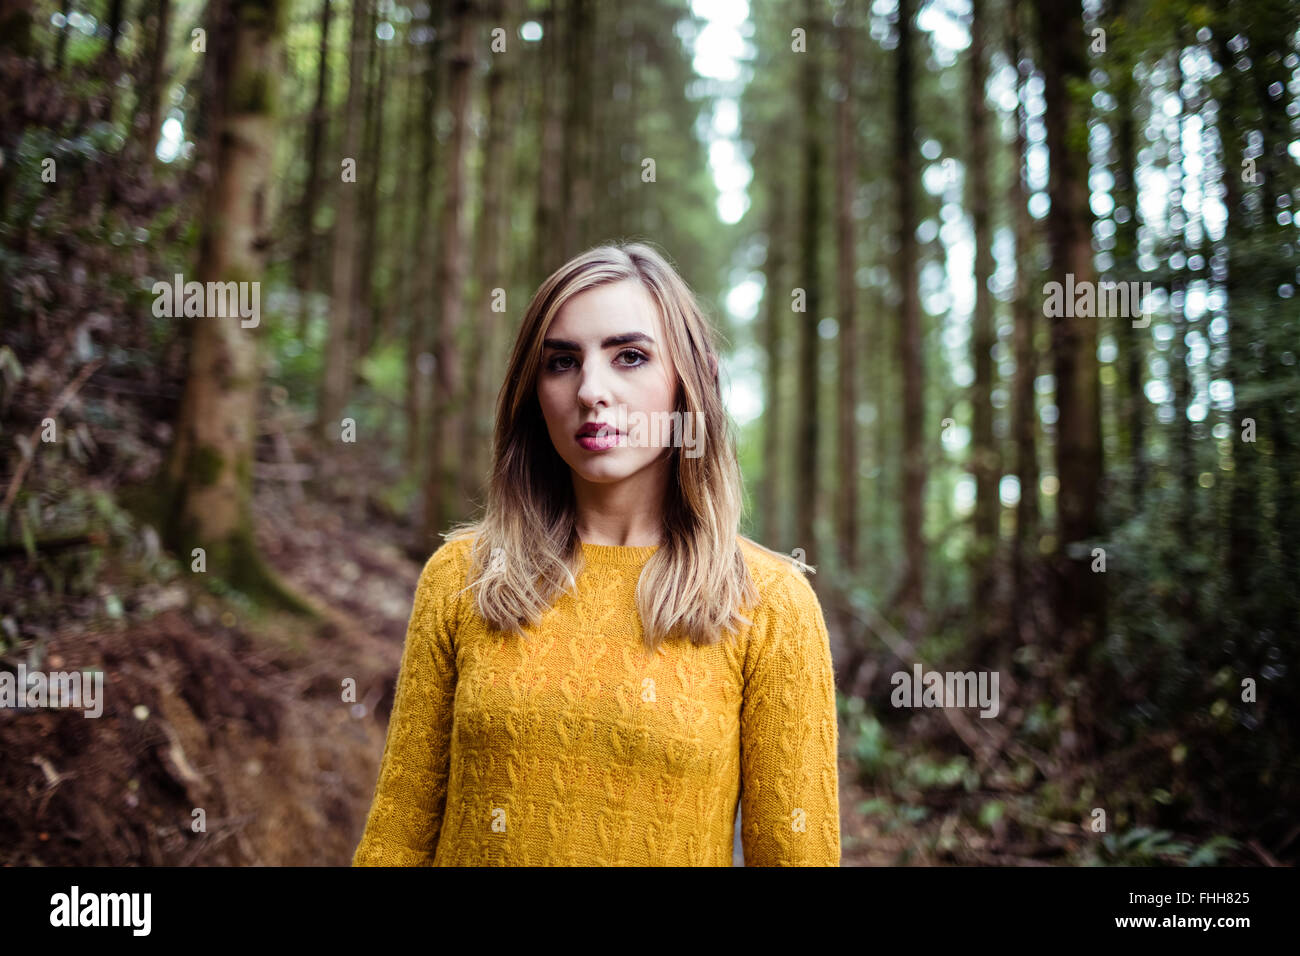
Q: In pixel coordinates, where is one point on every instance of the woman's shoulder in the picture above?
(445, 570)
(779, 578)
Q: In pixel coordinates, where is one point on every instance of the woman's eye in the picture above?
(637, 356)
(628, 358)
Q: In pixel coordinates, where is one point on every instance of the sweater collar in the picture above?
(617, 554)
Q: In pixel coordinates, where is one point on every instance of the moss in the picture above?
(251, 93)
(205, 464)
(234, 561)
(247, 571)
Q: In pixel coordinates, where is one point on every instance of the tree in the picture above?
(312, 183)
(492, 254)
(851, 358)
(985, 459)
(446, 398)
(210, 467)
(807, 424)
(424, 224)
(345, 282)
(1074, 338)
(1024, 418)
(910, 595)
(775, 304)
(149, 122)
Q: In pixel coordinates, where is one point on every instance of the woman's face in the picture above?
(603, 362)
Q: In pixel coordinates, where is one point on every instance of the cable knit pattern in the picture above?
(575, 748)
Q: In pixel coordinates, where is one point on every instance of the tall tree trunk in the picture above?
(306, 252)
(16, 78)
(211, 458)
(549, 249)
(335, 388)
(807, 505)
(491, 257)
(109, 60)
(776, 300)
(1080, 593)
(846, 271)
(1185, 451)
(408, 216)
(575, 220)
(368, 288)
(423, 241)
(985, 458)
(446, 399)
(149, 122)
(1133, 403)
(910, 596)
(1024, 417)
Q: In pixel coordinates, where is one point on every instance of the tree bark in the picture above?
(985, 458)
(846, 271)
(1024, 416)
(807, 424)
(1133, 403)
(576, 217)
(492, 258)
(211, 458)
(312, 185)
(446, 398)
(425, 223)
(149, 122)
(367, 291)
(776, 301)
(910, 595)
(339, 353)
(549, 249)
(1080, 593)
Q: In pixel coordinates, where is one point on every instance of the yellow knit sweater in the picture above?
(572, 748)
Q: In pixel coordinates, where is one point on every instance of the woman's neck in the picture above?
(627, 513)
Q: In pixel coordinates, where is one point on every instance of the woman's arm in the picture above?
(790, 811)
(410, 797)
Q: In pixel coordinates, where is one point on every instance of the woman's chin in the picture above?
(602, 473)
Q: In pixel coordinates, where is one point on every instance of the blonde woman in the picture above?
(601, 668)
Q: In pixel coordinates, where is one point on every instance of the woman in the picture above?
(601, 667)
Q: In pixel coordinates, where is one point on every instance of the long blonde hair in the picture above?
(697, 583)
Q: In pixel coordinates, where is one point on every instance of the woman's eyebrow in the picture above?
(625, 338)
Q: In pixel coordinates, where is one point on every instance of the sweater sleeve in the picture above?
(410, 797)
(789, 737)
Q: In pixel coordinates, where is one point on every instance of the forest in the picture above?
(1007, 294)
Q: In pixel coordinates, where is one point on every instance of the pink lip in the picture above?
(598, 442)
(589, 439)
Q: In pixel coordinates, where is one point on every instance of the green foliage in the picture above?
(943, 774)
(865, 740)
(1144, 846)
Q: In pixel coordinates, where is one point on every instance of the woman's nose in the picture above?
(592, 387)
